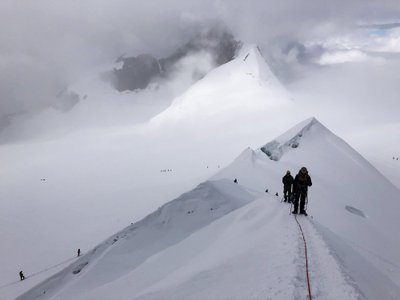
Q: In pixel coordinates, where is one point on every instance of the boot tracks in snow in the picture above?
(306, 256)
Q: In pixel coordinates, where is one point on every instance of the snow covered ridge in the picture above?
(276, 148)
(128, 249)
(235, 241)
(349, 199)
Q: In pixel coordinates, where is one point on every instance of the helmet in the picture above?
(287, 172)
(303, 170)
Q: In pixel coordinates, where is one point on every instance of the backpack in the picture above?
(302, 183)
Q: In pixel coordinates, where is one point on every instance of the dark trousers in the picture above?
(287, 192)
(300, 197)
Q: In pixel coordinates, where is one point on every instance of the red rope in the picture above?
(305, 252)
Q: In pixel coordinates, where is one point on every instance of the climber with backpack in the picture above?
(287, 181)
(300, 189)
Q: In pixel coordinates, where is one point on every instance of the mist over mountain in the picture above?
(111, 109)
(139, 71)
(48, 46)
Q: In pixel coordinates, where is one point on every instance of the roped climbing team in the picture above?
(22, 276)
(296, 190)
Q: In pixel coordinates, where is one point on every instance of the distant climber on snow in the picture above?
(79, 252)
(21, 275)
(235, 181)
(287, 181)
(300, 189)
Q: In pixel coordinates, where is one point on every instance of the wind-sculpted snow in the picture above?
(257, 254)
(131, 247)
(349, 196)
(226, 240)
(278, 147)
(254, 252)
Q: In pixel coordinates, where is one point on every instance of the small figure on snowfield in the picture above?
(21, 275)
(287, 181)
(300, 189)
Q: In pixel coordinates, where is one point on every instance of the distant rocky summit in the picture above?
(137, 72)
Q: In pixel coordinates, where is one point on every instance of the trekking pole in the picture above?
(290, 212)
(306, 204)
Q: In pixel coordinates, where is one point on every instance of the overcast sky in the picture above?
(46, 45)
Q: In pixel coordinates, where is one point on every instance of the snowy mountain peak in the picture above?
(291, 139)
(247, 156)
(242, 89)
(254, 62)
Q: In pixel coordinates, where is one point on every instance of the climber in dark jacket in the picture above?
(287, 181)
(300, 188)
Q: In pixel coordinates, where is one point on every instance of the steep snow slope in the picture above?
(128, 249)
(95, 183)
(241, 90)
(217, 242)
(349, 196)
(252, 253)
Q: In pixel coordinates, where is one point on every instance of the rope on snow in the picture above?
(39, 272)
(305, 253)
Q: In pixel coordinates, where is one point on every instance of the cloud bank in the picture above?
(47, 45)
